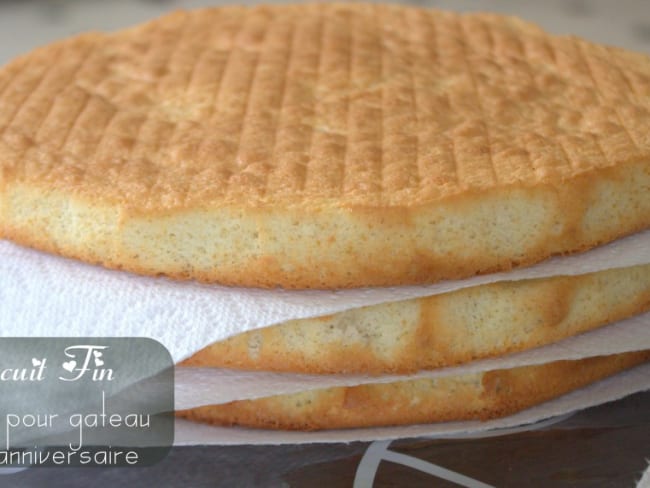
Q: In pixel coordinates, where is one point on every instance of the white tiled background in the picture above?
(25, 24)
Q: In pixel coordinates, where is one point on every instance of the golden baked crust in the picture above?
(323, 145)
(475, 396)
(441, 330)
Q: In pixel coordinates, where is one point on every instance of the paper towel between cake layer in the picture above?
(49, 296)
(195, 387)
(610, 389)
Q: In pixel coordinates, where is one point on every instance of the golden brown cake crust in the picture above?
(323, 145)
(441, 330)
(477, 396)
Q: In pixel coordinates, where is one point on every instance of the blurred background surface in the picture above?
(25, 24)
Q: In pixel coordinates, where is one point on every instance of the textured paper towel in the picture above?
(44, 295)
(626, 383)
(204, 386)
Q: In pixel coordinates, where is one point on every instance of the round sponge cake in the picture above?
(323, 145)
(482, 395)
(440, 330)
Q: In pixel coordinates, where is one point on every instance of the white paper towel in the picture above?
(44, 295)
